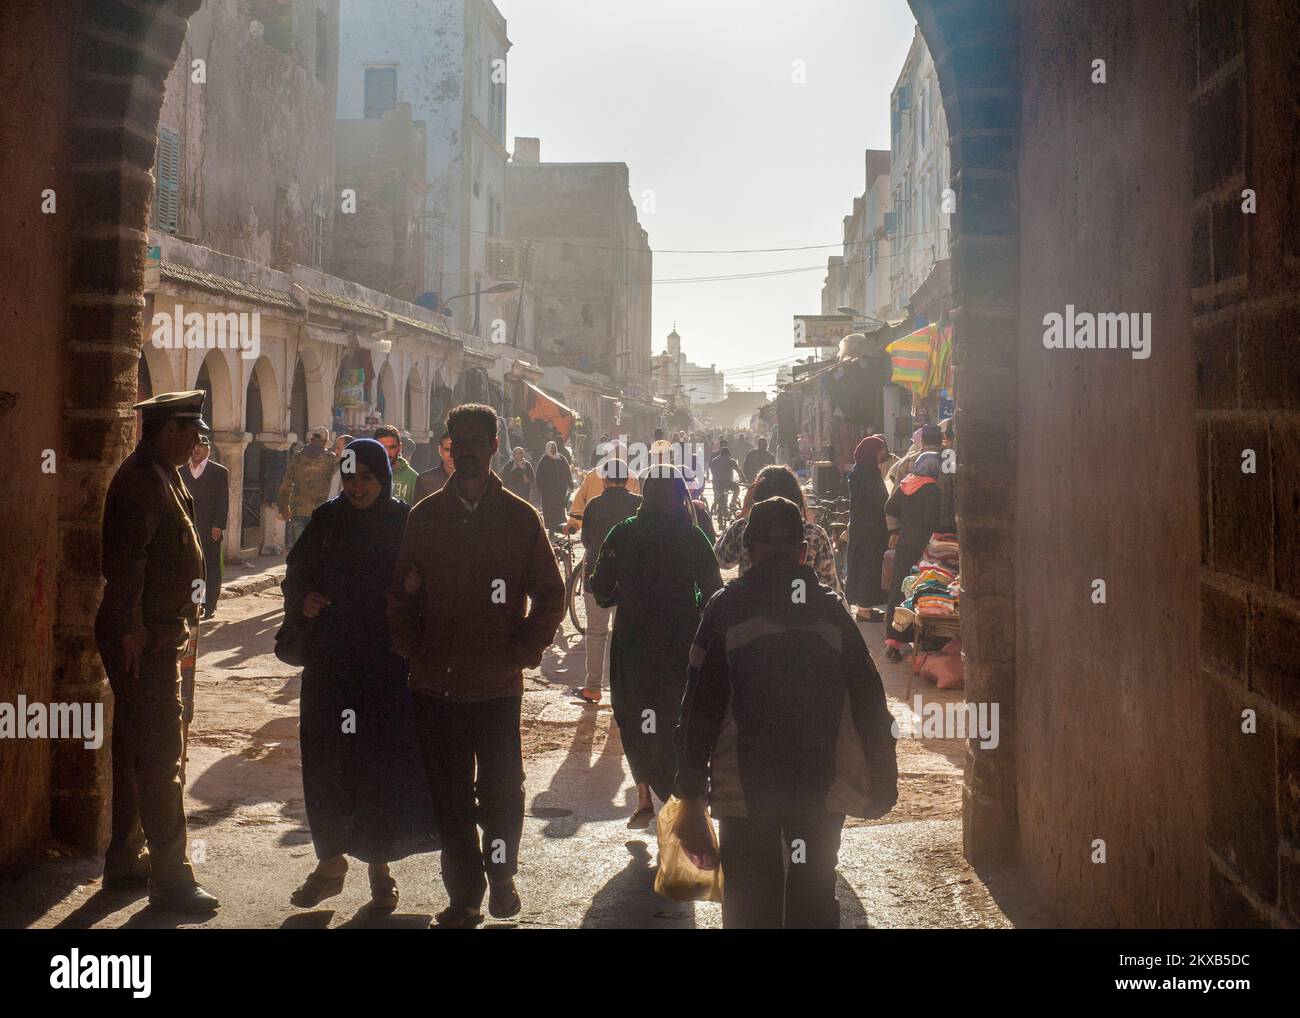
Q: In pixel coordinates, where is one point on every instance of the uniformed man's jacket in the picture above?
(151, 555)
(307, 481)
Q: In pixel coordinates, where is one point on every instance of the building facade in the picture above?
(919, 170)
(587, 290)
(447, 60)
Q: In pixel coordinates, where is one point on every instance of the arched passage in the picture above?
(252, 495)
(212, 375)
(387, 404)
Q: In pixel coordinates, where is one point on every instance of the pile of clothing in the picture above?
(934, 585)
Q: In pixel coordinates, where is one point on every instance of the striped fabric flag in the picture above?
(910, 357)
(940, 376)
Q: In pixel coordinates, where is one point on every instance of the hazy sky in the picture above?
(697, 97)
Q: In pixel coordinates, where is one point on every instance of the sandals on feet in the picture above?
(315, 889)
(454, 918)
(640, 820)
(503, 900)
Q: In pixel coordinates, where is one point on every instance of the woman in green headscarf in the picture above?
(659, 569)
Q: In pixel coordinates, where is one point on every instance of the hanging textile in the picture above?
(940, 373)
(545, 407)
(911, 358)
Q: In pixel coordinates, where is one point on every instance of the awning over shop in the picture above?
(544, 407)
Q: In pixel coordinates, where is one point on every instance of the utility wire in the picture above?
(672, 250)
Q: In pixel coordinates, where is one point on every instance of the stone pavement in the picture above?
(580, 865)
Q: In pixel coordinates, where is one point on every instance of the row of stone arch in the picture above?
(229, 381)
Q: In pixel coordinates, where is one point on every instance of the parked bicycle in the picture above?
(571, 555)
(832, 515)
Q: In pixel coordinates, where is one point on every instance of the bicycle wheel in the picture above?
(574, 590)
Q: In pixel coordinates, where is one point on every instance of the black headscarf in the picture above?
(348, 554)
(374, 456)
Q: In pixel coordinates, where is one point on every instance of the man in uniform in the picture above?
(153, 564)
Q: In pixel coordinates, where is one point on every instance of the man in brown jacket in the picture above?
(474, 555)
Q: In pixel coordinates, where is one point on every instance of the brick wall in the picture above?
(1244, 64)
(124, 52)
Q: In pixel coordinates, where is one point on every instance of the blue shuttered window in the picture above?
(167, 194)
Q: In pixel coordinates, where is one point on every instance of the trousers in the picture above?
(598, 620)
(779, 872)
(148, 745)
(473, 760)
(212, 567)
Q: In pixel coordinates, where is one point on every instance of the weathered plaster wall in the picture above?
(240, 142)
(425, 40)
(35, 53)
(584, 313)
(1110, 721)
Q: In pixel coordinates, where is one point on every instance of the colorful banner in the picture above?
(911, 359)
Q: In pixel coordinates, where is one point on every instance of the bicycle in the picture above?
(833, 516)
(726, 506)
(575, 583)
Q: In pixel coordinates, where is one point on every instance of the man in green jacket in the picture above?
(404, 475)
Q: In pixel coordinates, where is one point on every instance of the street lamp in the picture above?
(844, 309)
(505, 286)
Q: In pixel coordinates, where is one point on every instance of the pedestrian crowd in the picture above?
(414, 602)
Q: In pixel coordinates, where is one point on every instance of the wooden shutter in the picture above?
(167, 196)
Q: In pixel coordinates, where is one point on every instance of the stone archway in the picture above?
(121, 56)
(974, 45)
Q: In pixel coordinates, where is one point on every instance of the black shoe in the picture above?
(503, 900)
(208, 613)
(190, 899)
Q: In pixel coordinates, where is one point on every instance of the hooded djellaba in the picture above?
(868, 532)
(364, 787)
(658, 568)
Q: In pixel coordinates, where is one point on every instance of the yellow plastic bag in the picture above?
(678, 878)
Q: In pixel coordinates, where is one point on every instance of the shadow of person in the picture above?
(628, 900)
(318, 919)
(150, 918)
(590, 787)
(99, 906)
(369, 918)
(853, 916)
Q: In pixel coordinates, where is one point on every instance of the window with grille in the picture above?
(381, 91)
(167, 193)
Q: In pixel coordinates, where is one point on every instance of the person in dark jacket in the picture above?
(784, 730)
(755, 460)
(436, 477)
(364, 788)
(476, 597)
(915, 504)
(604, 512)
(518, 475)
(659, 569)
(554, 482)
(209, 485)
(868, 533)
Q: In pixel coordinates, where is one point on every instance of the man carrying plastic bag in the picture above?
(784, 731)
